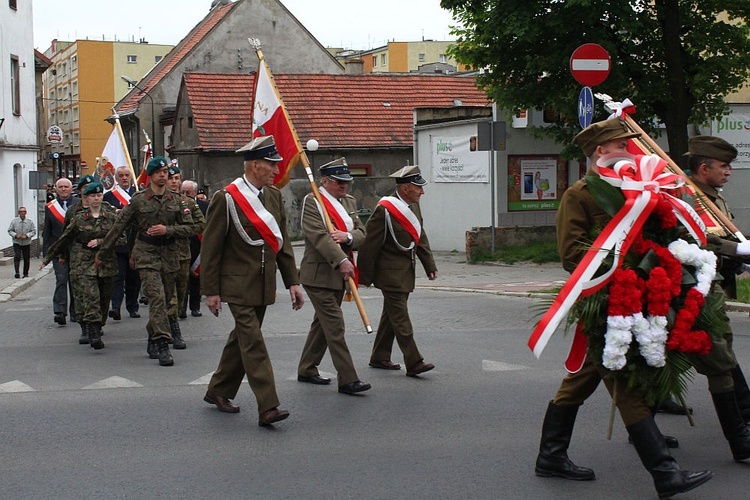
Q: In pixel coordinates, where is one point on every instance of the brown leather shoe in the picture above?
(385, 365)
(420, 367)
(270, 416)
(223, 404)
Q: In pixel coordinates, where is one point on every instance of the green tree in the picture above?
(675, 59)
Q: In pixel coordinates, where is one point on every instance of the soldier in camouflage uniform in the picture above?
(158, 217)
(177, 304)
(69, 214)
(86, 230)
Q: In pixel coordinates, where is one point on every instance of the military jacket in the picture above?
(322, 256)
(145, 210)
(380, 260)
(82, 228)
(199, 222)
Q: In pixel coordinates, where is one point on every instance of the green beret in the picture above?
(156, 163)
(86, 179)
(711, 147)
(598, 133)
(173, 170)
(93, 187)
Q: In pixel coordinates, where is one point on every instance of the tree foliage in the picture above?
(675, 59)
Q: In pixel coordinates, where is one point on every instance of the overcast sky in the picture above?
(356, 24)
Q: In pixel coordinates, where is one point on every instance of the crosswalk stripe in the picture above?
(114, 382)
(16, 386)
(497, 366)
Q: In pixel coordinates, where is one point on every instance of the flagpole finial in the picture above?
(254, 43)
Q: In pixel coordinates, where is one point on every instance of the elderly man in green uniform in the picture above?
(86, 230)
(244, 241)
(326, 267)
(174, 182)
(709, 161)
(387, 259)
(158, 218)
(578, 217)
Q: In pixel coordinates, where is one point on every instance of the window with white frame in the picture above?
(132, 59)
(383, 59)
(15, 85)
(374, 61)
(443, 58)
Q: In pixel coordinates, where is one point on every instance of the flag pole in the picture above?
(255, 43)
(124, 145)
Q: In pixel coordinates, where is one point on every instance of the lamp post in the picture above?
(133, 83)
(312, 147)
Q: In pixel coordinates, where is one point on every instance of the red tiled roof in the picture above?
(214, 17)
(339, 111)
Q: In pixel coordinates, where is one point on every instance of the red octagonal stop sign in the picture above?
(590, 64)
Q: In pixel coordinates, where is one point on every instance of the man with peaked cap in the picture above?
(709, 161)
(87, 230)
(578, 218)
(127, 283)
(54, 219)
(245, 240)
(387, 259)
(176, 305)
(157, 217)
(326, 267)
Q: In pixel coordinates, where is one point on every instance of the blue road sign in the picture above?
(585, 107)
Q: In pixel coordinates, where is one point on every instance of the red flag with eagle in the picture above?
(143, 178)
(270, 118)
(112, 157)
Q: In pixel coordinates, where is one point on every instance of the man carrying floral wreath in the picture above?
(580, 218)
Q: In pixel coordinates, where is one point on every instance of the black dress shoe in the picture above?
(196, 314)
(354, 387)
(18, 276)
(115, 314)
(268, 417)
(60, 319)
(25, 275)
(143, 300)
(135, 314)
(182, 315)
(316, 379)
(223, 404)
(420, 367)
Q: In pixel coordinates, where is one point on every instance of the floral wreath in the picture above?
(656, 307)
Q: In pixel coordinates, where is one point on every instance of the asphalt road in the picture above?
(78, 423)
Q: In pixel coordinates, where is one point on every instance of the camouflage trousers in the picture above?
(158, 287)
(181, 284)
(94, 294)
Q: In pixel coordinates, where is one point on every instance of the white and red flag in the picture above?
(113, 156)
(143, 178)
(271, 118)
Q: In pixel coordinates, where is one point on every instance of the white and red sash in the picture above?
(399, 210)
(57, 210)
(238, 193)
(122, 196)
(196, 267)
(336, 211)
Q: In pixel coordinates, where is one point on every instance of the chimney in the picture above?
(354, 66)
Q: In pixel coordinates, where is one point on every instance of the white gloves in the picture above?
(743, 248)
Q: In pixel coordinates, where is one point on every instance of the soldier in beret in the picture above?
(177, 304)
(157, 217)
(578, 217)
(326, 267)
(86, 230)
(245, 240)
(387, 259)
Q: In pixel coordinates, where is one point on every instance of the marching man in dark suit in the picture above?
(395, 236)
(54, 219)
(245, 239)
(326, 267)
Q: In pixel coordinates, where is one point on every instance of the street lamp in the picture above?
(312, 147)
(132, 83)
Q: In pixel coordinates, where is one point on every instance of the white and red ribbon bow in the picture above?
(621, 109)
(643, 181)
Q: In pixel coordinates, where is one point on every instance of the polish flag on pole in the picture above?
(143, 179)
(270, 118)
(113, 156)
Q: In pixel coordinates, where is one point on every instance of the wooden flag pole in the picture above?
(124, 145)
(306, 164)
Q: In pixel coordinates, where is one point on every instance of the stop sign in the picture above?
(590, 64)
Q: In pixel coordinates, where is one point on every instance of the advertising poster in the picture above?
(735, 129)
(535, 182)
(455, 159)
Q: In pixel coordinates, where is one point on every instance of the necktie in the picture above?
(65, 204)
(261, 198)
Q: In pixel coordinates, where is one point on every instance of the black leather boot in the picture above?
(671, 441)
(742, 392)
(152, 349)
(95, 334)
(669, 477)
(177, 341)
(84, 338)
(165, 357)
(553, 449)
(733, 425)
